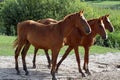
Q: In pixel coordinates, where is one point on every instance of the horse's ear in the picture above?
(107, 15)
(101, 18)
(81, 12)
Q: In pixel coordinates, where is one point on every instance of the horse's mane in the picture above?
(92, 20)
(69, 15)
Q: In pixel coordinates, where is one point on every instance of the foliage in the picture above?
(100, 0)
(15, 11)
(109, 7)
(113, 40)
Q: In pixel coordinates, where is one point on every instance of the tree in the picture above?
(15, 11)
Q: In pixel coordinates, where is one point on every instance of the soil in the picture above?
(102, 67)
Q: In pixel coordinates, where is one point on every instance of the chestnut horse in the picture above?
(46, 22)
(107, 24)
(46, 37)
(87, 40)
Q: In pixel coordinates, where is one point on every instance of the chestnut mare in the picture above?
(46, 37)
(86, 41)
(107, 24)
(46, 22)
(77, 38)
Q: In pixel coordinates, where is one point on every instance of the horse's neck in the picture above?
(91, 23)
(66, 27)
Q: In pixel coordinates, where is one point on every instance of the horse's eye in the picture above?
(107, 21)
(80, 17)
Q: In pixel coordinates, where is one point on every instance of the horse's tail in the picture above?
(15, 43)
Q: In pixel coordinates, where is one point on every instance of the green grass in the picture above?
(106, 4)
(112, 8)
(6, 49)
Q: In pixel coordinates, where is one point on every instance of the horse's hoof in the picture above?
(49, 66)
(83, 75)
(34, 67)
(88, 73)
(56, 71)
(27, 73)
(54, 78)
(18, 73)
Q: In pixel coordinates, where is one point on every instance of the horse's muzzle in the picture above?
(105, 37)
(112, 30)
(88, 30)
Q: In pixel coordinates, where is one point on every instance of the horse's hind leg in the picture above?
(17, 51)
(48, 58)
(24, 52)
(78, 61)
(34, 58)
(86, 61)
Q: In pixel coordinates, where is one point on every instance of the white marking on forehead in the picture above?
(108, 19)
(104, 28)
(83, 17)
(102, 23)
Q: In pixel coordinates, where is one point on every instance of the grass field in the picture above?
(112, 8)
(6, 49)
(101, 8)
(106, 4)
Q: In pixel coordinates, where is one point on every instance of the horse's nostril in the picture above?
(88, 31)
(105, 37)
(112, 30)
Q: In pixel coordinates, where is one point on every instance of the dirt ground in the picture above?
(102, 66)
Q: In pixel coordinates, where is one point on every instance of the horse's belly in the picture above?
(38, 43)
(41, 45)
(46, 42)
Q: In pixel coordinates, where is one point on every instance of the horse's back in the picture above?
(47, 21)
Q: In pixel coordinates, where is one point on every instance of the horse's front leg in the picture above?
(78, 60)
(86, 60)
(34, 58)
(23, 53)
(55, 53)
(63, 57)
(48, 58)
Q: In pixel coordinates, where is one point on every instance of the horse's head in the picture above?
(107, 23)
(81, 22)
(100, 28)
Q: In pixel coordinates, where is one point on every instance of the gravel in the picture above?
(102, 66)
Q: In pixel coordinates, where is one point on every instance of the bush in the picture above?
(15, 11)
(113, 40)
